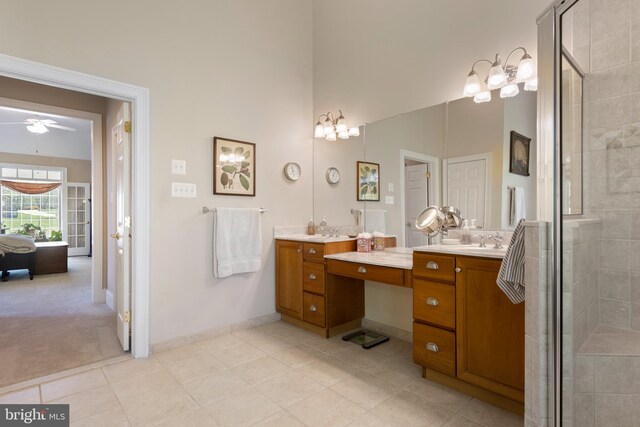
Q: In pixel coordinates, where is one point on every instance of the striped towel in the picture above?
(511, 275)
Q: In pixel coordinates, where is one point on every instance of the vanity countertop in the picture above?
(468, 250)
(316, 238)
(390, 257)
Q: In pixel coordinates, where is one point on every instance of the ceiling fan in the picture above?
(40, 126)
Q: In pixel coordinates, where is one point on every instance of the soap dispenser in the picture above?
(311, 228)
(466, 237)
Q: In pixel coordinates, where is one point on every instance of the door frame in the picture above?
(434, 182)
(95, 289)
(138, 96)
(487, 181)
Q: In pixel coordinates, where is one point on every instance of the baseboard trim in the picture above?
(391, 331)
(173, 343)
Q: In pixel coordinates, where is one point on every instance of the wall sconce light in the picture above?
(504, 77)
(330, 128)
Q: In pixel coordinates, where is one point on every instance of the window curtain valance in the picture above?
(31, 187)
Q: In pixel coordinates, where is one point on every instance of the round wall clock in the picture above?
(292, 171)
(333, 175)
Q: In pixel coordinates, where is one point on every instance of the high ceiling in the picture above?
(15, 138)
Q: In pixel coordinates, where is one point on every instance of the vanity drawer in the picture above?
(313, 277)
(434, 348)
(376, 273)
(313, 309)
(434, 303)
(313, 252)
(434, 267)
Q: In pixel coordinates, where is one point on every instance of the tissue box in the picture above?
(364, 244)
(378, 243)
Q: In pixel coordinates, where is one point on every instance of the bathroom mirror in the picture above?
(451, 154)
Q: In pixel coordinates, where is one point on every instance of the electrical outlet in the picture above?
(388, 200)
(178, 167)
(183, 189)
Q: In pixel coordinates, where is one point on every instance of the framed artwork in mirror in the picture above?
(368, 185)
(519, 154)
(234, 167)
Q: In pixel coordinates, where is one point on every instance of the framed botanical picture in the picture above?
(368, 184)
(234, 167)
(519, 157)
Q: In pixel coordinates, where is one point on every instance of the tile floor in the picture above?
(270, 375)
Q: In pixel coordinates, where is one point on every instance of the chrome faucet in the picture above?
(498, 239)
(482, 237)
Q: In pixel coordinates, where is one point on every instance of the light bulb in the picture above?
(509, 90)
(341, 124)
(472, 85)
(526, 68)
(343, 135)
(531, 85)
(331, 136)
(319, 132)
(497, 77)
(482, 97)
(354, 131)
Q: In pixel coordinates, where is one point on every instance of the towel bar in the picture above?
(207, 210)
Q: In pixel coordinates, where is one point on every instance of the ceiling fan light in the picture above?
(531, 85)
(37, 127)
(482, 97)
(526, 68)
(497, 77)
(509, 90)
(319, 132)
(472, 86)
(354, 131)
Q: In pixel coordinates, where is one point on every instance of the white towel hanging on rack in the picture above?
(237, 241)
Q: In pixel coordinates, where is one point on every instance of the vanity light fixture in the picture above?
(504, 77)
(330, 128)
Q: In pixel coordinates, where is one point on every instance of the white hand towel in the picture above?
(375, 220)
(518, 208)
(511, 275)
(237, 241)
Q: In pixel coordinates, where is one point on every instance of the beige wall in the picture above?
(77, 170)
(241, 70)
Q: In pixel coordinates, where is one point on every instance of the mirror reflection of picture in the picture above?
(519, 158)
(368, 181)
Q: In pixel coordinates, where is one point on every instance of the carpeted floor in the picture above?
(49, 324)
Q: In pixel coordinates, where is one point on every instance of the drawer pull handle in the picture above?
(458, 269)
(433, 347)
(362, 269)
(312, 251)
(313, 308)
(312, 276)
(432, 301)
(433, 265)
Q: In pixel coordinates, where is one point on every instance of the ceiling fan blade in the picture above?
(48, 122)
(55, 126)
(14, 123)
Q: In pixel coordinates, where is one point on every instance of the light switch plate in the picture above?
(178, 167)
(391, 187)
(388, 200)
(183, 189)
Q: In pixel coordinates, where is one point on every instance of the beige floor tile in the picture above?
(327, 371)
(394, 347)
(396, 371)
(235, 356)
(150, 383)
(489, 415)
(249, 334)
(90, 402)
(299, 355)
(26, 395)
(272, 343)
(407, 409)
(326, 409)
(460, 421)
(72, 384)
(280, 419)
(223, 342)
(359, 357)
(365, 390)
(186, 366)
(289, 388)
(243, 409)
(112, 418)
(198, 418)
(369, 420)
(259, 370)
(131, 368)
(212, 388)
(154, 407)
(438, 393)
(325, 345)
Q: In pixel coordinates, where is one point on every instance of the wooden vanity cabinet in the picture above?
(466, 332)
(309, 297)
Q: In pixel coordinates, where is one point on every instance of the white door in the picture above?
(78, 218)
(416, 196)
(466, 188)
(122, 234)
